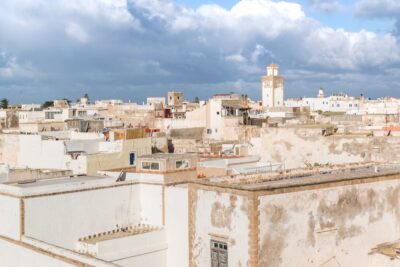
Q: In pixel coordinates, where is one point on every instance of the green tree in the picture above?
(68, 101)
(47, 104)
(4, 103)
(196, 99)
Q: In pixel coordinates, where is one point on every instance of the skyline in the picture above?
(134, 49)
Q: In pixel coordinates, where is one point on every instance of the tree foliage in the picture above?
(47, 104)
(4, 103)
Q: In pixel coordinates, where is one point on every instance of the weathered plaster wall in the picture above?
(218, 216)
(335, 226)
(298, 146)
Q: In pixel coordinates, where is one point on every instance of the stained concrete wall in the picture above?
(329, 227)
(222, 217)
(298, 146)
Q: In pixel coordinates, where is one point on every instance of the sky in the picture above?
(132, 49)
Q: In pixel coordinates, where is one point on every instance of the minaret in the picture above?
(272, 88)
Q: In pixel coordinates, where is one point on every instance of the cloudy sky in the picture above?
(136, 48)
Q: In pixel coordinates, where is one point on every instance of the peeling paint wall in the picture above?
(223, 217)
(298, 146)
(329, 227)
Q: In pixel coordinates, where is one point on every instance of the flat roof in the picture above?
(167, 155)
(302, 177)
(58, 185)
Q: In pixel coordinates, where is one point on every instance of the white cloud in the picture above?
(236, 58)
(10, 68)
(76, 32)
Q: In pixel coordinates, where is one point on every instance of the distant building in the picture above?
(272, 88)
(339, 102)
(175, 98)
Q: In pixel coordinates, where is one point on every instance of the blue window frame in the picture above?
(132, 158)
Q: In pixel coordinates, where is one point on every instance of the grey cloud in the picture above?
(377, 8)
(132, 49)
(326, 6)
(380, 9)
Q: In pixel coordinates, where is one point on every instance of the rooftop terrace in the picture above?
(303, 177)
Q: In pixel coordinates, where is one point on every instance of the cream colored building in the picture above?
(175, 98)
(272, 88)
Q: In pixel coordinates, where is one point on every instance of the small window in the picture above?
(132, 158)
(217, 112)
(182, 164)
(146, 165)
(209, 131)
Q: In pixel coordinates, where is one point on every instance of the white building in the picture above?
(165, 217)
(336, 103)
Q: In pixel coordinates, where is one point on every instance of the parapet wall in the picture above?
(299, 147)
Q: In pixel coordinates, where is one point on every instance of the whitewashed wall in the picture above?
(62, 219)
(9, 217)
(151, 204)
(13, 255)
(176, 223)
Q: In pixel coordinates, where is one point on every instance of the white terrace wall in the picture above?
(61, 219)
(10, 214)
(151, 204)
(335, 226)
(176, 222)
(16, 255)
(41, 154)
(9, 147)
